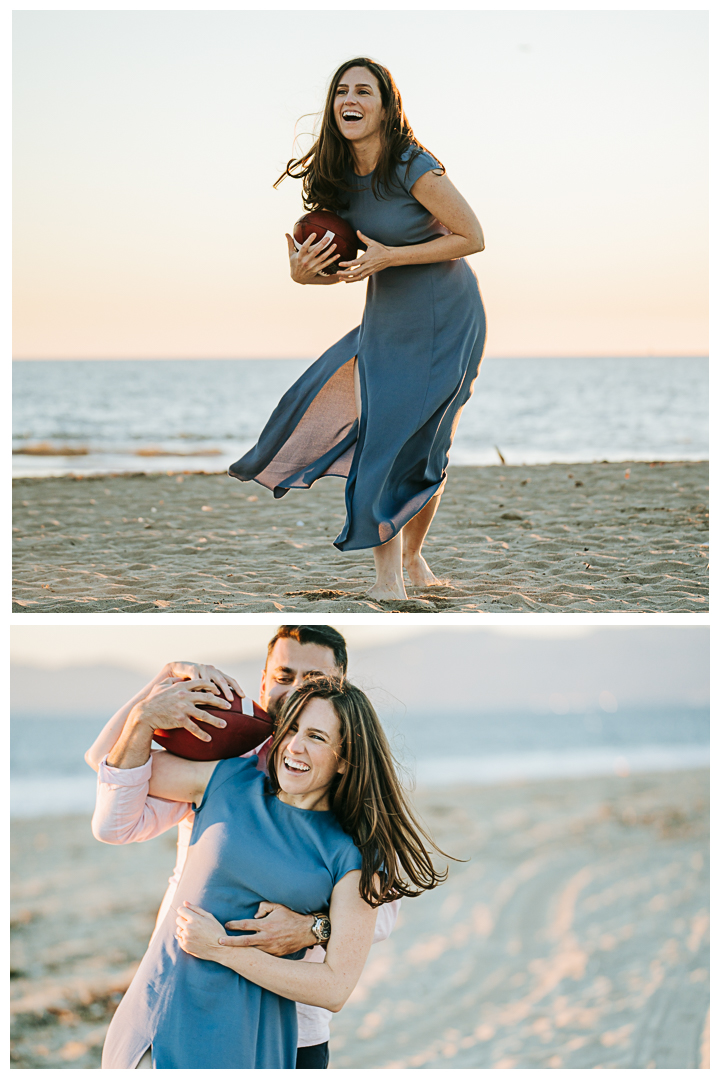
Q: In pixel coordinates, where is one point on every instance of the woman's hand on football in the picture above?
(198, 931)
(307, 261)
(183, 669)
(173, 703)
(376, 258)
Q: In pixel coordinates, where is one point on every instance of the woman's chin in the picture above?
(289, 788)
(293, 782)
(352, 133)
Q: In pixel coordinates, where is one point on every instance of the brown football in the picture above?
(320, 222)
(247, 727)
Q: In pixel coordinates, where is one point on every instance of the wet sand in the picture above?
(591, 537)
(576, 936)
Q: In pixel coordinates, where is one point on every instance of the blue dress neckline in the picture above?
(301, 809)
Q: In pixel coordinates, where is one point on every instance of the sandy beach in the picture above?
(575, 936)
(590, 537)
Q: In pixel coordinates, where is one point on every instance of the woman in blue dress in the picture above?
(327, 829)
(380, 407)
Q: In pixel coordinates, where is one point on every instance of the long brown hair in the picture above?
(324, 167)
(367, 799)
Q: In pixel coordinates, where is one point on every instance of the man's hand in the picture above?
(279, 932)
(170, 704)
(183, 669)
(174, 704)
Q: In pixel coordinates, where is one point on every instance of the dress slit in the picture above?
(319, 437)
(313, 430)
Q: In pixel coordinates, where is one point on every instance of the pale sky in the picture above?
(147, 142)
(147, 648)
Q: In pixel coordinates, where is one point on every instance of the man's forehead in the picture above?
(290, 654)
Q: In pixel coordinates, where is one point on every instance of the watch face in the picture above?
(322, 928)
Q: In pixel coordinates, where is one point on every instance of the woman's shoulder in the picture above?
(245, 767)
(240, 771)
(344, 853)
(414, 162)
(415, 153)
(330, 831)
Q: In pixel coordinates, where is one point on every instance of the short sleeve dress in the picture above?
(246, 846)
(418, 350)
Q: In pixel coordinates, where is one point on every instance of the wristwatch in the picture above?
(321, 927)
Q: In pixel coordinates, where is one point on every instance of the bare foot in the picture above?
(388, 590)
(418, 571)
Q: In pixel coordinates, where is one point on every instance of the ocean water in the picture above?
(49, 775)
(167, 415)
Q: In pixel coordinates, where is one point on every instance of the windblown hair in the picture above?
(324, 167)
(367, 799)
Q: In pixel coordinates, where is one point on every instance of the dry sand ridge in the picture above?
(592, 537)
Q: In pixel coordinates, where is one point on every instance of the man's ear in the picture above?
(262, 683)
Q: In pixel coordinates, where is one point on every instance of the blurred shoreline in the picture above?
(34, 796)
(122, 416)
(575, 936)
(41, 461)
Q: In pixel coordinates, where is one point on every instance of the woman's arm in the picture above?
(441, 198)
(327, 985)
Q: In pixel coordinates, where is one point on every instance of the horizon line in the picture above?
(311, 359)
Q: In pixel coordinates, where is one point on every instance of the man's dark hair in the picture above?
(326, 636)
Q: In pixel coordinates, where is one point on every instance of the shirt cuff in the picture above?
(108, 774)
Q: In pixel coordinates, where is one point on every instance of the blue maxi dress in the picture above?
(246, 846)
(418, 351)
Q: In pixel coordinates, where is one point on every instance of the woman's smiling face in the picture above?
(310, 754)
(358, 107)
